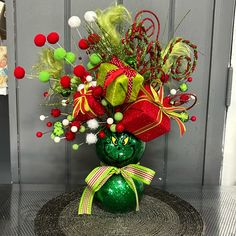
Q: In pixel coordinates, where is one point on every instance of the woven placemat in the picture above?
(160, 213)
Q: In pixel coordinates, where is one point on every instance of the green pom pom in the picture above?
(70, 117)
(58, 124)
(104, 102)
(58, 131)
(75, 147)
(82, 129)
(118, 116)
(113, 128)
(59, 54)
(184, 116)
(52, 136)
(70, 57)
(95, 59)
(90, 66)
(44, 76)
(183, 87)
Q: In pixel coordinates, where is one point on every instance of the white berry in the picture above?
(89, 78)
(42, 117)
(65, 122)
(90, 16)
(74, 22)
(80, 87)
(74, 129)
(64, 103)
(110, 121)
(57, 139)
(173, 91)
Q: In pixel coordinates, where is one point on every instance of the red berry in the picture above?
(193, 118)
(120, 128)
(101, 134)
(69, 136)
(75, 123)
(19, 72)
(83, 44)
(49, 124)
(93, 38)
(45, 94)
(98, 91)
(53, 37)
(65, 81)
(39, 134)
(164, 78)
(190, 79)
(79, 71)
(55, 112)
(184, 97)
(39, 40)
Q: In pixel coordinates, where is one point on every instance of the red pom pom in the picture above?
(83, 44)
(79, 71)
(49, 124)
(184, 97)
(53, 37)
(101, 134)
(19, 72)
(98, 91)
(45, 94)
(120, 128)
(39, 40)
(69, 136)
(75, 123)
(93, 38)
(55, 112)
(65, 81)
(190, 79)
(164, 78)
(39, 134)
(193, 118)
(166, 101)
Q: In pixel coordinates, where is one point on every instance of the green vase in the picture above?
(119, 150)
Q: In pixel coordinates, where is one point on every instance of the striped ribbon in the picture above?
(98, 177)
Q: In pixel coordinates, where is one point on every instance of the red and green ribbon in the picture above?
(99, 176)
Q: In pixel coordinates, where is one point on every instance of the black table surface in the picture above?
(20, 203)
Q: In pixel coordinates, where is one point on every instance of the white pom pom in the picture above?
(93, 124)
(110, 121)
(89, 78)
(173, 91)
(42, 117)
(64, 103)
(65, 122)
(80, 87)
(74, 22)
(90, 16)
(91, 138)
(57, 139)
(74, 129)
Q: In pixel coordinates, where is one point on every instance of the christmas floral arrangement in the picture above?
(124, 95)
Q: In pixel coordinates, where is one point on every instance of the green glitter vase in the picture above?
(119, 150)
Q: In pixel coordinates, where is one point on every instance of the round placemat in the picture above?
(160, 213)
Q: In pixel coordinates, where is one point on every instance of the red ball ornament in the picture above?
(39, 134)
(79, 71)
(69, 136)
(193, 118)
(93, 38)
(75, 123)
(49, 124)
(45, 94)
(120, 128)
(55, 112)
(98, 91)
(65, 81)
(164, 78)
(19, 72)
(190, 79)
(101, 134)
(39, 40)
(83, 44)
(53, 37)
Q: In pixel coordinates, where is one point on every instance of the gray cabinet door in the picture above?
(195, 158)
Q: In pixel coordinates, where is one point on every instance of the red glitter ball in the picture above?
(101, 134)
(39, 40)
(83, 44)
(98, 91)
(53, 37)
(39, 134)
(49, 124)
(193, 118)
(69, 136)
(19, 72)
(93, 38)
(120, 128)
(55, 112)
(45, 94)
(79, 71)
(190, 79)
(65, 81)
